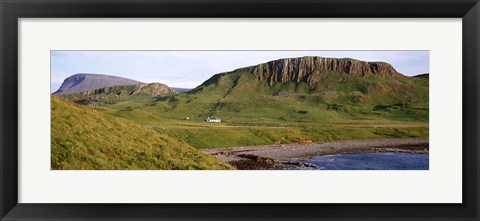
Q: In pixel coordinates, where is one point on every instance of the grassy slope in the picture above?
(85, 139)
(338, 107)
(240, 95)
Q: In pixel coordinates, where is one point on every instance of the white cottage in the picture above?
(214, 120)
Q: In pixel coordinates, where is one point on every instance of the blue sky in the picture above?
(188, 69)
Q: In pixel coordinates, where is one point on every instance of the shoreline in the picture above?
(273, 157)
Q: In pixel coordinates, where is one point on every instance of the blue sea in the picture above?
(368, 161)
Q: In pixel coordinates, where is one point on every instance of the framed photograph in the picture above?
(256, 110)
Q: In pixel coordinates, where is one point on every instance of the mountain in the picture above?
(325, 80)
(83, 138)
(86, 82)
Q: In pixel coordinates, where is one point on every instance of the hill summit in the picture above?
(86, 82)
(312, 69)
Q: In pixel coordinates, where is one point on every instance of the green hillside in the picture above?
(293, 103)
(337, 95)
(85, 139)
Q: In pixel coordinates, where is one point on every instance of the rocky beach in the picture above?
(281, 156)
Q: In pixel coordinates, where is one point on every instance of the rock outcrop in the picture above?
(312, 69)
(154, 89)
(109, 95)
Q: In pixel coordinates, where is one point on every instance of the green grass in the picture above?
(261, 135)
(84, 139)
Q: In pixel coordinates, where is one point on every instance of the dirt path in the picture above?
(271, 156)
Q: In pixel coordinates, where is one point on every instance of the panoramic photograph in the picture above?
(239, 110)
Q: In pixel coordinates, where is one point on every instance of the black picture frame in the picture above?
(12, 10)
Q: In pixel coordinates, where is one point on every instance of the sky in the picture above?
(188, 69)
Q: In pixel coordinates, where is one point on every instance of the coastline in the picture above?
(272, 157)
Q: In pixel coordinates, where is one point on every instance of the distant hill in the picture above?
(117, 93)
(86, 82)
(83, 139)
(181, 90)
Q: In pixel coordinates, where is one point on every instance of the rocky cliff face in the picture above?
(312, 69)
(86, 82)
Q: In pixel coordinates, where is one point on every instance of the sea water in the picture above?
(368, 161)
